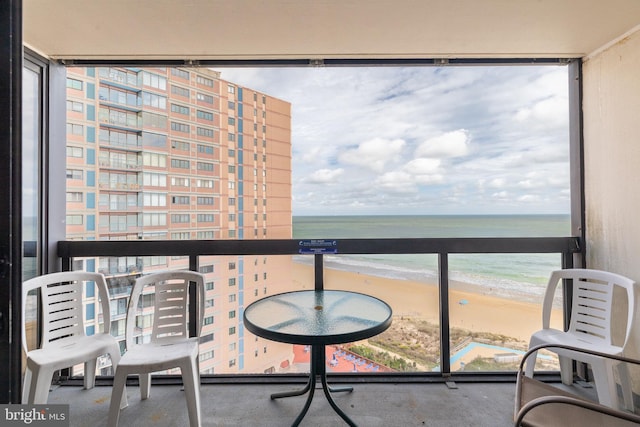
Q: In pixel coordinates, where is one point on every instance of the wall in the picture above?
(612, 157)
(611, 108)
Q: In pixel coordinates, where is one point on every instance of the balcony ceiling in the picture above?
(321, 29)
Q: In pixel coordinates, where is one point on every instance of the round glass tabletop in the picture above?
(317, 317)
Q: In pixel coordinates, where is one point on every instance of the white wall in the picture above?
(611, 107)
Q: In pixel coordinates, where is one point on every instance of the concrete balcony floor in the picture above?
(370, 404)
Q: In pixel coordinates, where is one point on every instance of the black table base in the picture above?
(318, 367)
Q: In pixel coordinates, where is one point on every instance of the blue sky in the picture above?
(424, 140)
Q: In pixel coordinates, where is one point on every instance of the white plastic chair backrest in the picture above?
(61, 304)
(170, 315)
(592, 304)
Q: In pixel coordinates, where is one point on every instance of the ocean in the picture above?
(521, 276)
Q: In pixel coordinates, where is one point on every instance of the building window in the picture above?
(180, 200)
(154, 100)
(232, 281)
(74, 220)
(206, 218)
(205, 115)
(203, 166)
(232, 314)
(184, 235)
(205, 235)
(207, 133)
(179, 182)
(74, 84)
(75, 151)
(232, 297)
(180, 145)
(204, 81)
(206, 355)
(154, 80)
(154, 199)
(232, 363)
(204, 183)
(75, 129)
(206, 269)
(76, 106)
(180, 164)
(154, 160)
(180, 127)
(180, 109)
(209, 303)
(208, 286)
(208, 99)
(208, 320)
(154, 219)
(205, 200)
(180, 73)
(154, 179)
(75, 174)
(180, 91)
(231, 121)
(179, 218)
(232, 330)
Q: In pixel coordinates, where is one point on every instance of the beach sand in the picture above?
(470, 308)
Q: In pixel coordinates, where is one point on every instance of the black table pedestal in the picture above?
(318, 367)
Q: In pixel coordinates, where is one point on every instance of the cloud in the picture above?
(450, 144)
(373, 154)
(325, 176)
(424, 140)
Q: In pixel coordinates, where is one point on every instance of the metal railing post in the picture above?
(443, 288)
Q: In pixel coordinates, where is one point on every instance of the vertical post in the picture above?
(318, 272)
(193, 299)
(443, 286)
(10, 199)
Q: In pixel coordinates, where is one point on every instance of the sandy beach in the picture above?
(471, 310)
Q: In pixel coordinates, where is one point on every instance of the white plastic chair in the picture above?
(590, 328)
(64, 342)
(170, 345)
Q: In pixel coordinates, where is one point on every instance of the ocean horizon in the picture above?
(520, 276)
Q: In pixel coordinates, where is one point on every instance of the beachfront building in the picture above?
(181, 154)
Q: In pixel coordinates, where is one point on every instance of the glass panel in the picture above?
(31, 117)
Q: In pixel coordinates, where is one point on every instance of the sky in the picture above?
(424, 140)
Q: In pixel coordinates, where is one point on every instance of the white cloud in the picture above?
(324, 176)
(424, 139)
(450, 144)
(373, 154)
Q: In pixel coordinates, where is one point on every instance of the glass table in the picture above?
(317, 318)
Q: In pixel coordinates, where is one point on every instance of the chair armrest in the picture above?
(562, 409)
(567, 405)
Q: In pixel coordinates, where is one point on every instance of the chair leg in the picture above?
(191, 381)
(117, 392)
(605, 384)
(145, 385)
(627, 387)
(90, 374)
(40, 385)
(26, 385)
(115, 356)
(566, 369)
(530, 364)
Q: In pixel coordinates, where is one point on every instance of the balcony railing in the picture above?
(566, 247)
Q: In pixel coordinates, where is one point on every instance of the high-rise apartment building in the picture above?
(180, 154)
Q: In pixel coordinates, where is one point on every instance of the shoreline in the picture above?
(468, 308)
